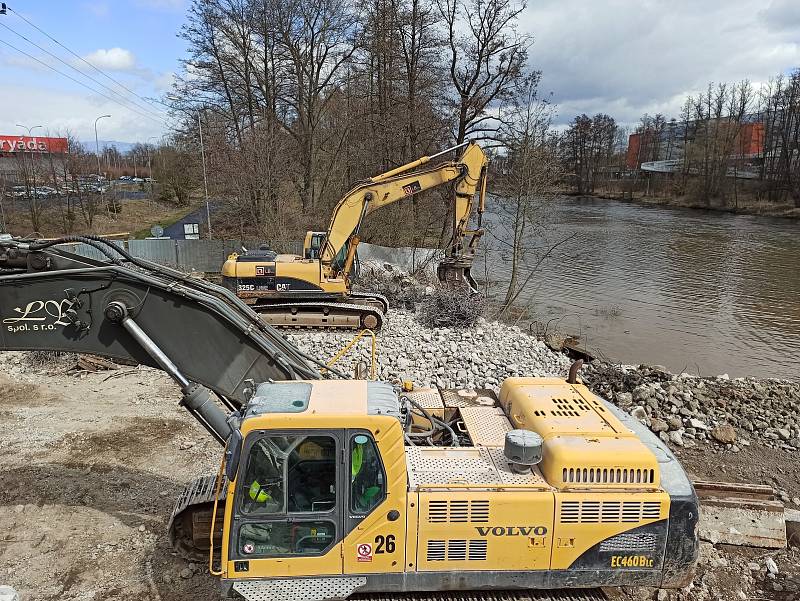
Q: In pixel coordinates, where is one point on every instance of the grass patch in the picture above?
(164, 222)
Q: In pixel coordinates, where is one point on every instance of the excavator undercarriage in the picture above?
(364, 310)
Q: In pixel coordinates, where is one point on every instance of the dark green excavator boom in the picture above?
(127, 308)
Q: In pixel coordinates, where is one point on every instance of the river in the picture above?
(696, 291)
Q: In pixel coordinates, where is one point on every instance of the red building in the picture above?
(650, 146)
(20, 154)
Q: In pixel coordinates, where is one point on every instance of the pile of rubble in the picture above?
(686, 410)
(402, 289)
(480, 356)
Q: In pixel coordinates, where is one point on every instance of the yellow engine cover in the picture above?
(585, 445)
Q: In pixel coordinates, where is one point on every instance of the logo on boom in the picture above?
(39, 316)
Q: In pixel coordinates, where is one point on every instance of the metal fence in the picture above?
(209, 255)
(186, 255)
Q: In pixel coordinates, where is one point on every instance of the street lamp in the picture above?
(33, 167)
(97, 142)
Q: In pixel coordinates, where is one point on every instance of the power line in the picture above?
(89, 77)
(79, 57)
(80, 82)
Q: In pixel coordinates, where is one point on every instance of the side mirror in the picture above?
(233, 452)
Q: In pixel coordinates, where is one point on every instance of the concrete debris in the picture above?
(8, 594)
(724, 433)
(481, 356)
(676, 438)
(772, 567)
(728, 413)
(792, 518)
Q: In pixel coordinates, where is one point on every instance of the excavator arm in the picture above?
(127, 308)
(468, 173)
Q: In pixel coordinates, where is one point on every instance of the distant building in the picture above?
(668, 144)
(20, 154)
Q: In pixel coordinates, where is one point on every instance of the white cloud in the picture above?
(112, 59)
(99, 9)
(627, 57)
(163, 82)
(37, 104)
(171, 5)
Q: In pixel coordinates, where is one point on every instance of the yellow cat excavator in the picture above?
(315, 290)
(329, 488)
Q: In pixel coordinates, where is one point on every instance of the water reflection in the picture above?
(693, 290)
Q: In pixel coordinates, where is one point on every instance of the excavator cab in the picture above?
(312, 245)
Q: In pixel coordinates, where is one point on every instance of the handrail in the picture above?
(211, 569)
(343, 351)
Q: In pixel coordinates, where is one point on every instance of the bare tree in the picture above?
(588, 144)
(487, 56)
(530, 172)
(318, 37)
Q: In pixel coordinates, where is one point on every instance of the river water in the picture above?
(696, 291)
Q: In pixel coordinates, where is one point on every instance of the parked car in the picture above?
(137, 180)
(17, 191)
(150, 180)
(45, 191)
(125, 178)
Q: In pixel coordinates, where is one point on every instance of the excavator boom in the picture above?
(51, 299)
(468, 173)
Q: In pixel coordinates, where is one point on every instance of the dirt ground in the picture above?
(93, 463)
(90, 473)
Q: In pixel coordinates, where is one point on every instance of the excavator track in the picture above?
(190, 524)
(315, 314)
(372, 299)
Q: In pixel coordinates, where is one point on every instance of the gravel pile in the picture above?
(686, 410)
(481, 356)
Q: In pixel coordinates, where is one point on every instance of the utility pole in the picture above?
(97, 151)
(2, 193)
(205, 177)
(33, 166)
(150, 167)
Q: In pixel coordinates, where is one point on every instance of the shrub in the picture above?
(451, 306)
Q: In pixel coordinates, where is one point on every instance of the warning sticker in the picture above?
(364, 552)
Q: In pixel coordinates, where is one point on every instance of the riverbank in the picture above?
(745, 206)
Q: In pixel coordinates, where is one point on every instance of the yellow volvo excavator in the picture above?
(330, 488)
(315, 290)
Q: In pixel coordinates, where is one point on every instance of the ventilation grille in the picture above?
(458, 512)
(569, 407)
(607, 476)
(630, 541)
(605, 512)
(456, 550)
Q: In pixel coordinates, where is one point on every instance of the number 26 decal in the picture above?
(384, 544)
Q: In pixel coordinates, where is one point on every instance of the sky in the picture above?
(621, 57)
(133, 41)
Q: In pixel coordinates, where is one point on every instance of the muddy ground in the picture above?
(92, 464)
